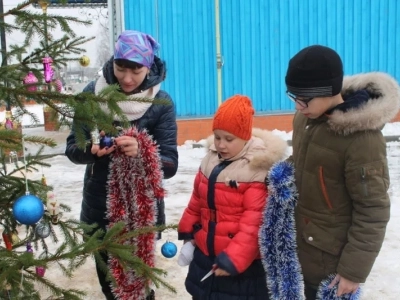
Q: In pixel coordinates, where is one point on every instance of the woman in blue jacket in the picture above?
(139, 73)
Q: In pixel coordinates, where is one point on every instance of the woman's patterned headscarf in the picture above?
(137, 47)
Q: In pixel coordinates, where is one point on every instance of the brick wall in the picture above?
(197, 129)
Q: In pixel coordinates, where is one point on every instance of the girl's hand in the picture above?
(220, 272)
(127, 145)
(192, 241)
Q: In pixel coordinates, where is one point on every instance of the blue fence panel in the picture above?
(254, 48)
(185, 29)
(142, 16)
(258, 37)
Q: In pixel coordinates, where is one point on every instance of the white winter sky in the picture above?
(81, 13)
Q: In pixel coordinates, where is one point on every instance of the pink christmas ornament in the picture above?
(9, 124)
(59, 85)
(30, 79)
(48, 70)
(40, 271)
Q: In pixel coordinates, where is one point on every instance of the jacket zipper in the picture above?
(323, 187)
(364, 182)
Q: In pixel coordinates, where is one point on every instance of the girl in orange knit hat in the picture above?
(224, 213)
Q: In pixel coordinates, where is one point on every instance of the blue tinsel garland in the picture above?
(277, 241)
(277, 237)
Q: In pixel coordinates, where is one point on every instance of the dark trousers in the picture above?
(310, 292)
(106, 285)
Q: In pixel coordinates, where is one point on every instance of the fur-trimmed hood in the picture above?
(262, 151)
(381, 106)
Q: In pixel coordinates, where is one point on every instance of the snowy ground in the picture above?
(66, 178)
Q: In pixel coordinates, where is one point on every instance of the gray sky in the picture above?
(81, 13)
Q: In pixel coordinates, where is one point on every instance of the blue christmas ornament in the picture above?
(106, 141)
(28, 209)
(169, 249)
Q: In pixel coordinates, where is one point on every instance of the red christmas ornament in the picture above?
(30, 80)
(7, 241)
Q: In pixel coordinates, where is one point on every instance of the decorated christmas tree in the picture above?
(30, 216)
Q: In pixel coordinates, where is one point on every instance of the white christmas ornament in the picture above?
(53, 207)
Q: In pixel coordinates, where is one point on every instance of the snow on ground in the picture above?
(66, 178)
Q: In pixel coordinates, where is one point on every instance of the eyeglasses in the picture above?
(303, 101)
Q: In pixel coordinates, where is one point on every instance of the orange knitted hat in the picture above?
(235, 116)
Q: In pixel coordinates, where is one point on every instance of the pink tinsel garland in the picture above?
(134, 186)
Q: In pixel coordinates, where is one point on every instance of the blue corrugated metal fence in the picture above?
(258, 37)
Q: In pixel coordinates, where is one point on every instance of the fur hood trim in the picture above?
(382, 107)
(267, 149)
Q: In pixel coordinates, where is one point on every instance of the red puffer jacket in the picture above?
(225, 209)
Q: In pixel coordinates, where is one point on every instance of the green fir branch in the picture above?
(84, 112)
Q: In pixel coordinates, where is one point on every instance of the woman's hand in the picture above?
(127, 145)
(101, 152)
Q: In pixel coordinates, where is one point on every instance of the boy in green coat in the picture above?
(341, 170)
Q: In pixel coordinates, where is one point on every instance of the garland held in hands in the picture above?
(134, 186)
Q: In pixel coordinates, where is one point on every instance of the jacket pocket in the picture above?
(322, 239)
(368, 182)
(323, 188)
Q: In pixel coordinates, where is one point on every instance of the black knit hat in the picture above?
(315, 71)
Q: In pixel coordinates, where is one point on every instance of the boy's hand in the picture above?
(345, 286)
